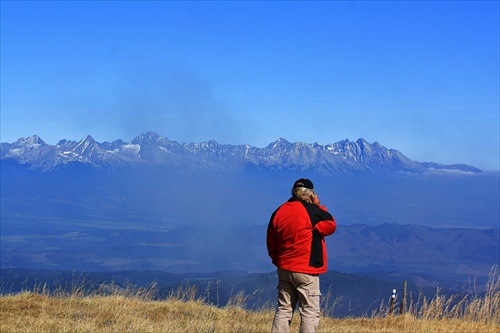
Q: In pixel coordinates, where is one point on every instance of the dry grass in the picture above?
(138, 310)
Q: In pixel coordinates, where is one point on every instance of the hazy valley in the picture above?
(199, 209)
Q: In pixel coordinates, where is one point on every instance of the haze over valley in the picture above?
(203, 208)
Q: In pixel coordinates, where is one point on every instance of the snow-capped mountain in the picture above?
(150, 149)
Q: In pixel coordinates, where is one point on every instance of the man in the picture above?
(296, 245)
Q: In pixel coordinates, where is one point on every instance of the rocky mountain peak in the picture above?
(33, 142)
(281, 142)
(86, 147)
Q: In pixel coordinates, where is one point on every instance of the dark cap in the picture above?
(304, 182)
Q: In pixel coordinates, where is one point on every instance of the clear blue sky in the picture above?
(420, 77)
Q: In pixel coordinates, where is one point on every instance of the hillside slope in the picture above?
(137, 312)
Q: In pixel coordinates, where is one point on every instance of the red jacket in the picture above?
(295, 236)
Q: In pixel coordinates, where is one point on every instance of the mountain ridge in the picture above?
(151, 149)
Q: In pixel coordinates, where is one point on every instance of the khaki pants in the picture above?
(301, 288)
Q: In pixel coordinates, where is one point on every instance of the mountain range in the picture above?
(150, 149)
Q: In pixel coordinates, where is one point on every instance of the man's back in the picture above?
(294, 241)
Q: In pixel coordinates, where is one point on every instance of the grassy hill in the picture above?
(353, 295)
(138, 310)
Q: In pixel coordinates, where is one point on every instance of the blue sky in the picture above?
(421, 77)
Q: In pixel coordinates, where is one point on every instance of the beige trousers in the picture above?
(301, 288)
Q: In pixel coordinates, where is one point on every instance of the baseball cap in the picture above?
(304, 182)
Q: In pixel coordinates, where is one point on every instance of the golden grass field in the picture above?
(139, 311)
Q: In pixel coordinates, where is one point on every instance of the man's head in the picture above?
(303, 189)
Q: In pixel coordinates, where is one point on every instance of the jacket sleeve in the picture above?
(327, 224)
(271, 240)
(326, 228)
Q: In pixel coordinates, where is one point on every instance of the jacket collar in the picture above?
(292, 199)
